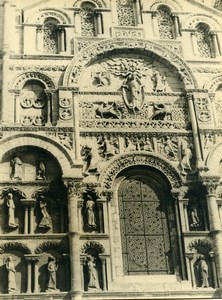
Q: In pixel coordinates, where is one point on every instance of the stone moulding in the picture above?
(50, 245)
(20, 80)
(125, 161)
(39, 16)
(14, 246)
(213, 84)
(93, 245)
(206, 243)
(103, 48)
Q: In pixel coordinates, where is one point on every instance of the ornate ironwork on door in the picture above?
(144, 229)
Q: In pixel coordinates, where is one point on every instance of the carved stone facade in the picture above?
(110, 149)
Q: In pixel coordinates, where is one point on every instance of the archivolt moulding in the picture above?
(213, 84)
(39, 16)
(205, 244)
(46, 246)
(124, 161)
(19, 82)
(29, 139)
(97, 3)
(107, 47)
(173, 5)
(92, 245)
(14, 246)
(214, 158)
(193, 19)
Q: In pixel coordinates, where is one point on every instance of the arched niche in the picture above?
(16, 252)
(40, 143)
(11, 212)
(147, 220)
(51, 210)
(29, 163)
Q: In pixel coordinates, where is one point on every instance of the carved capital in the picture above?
(190, 256)
(179, 193)
(189, 96)
(211, 183)
(74, 189)
(108, 194)
(31, 258)
(28, 202)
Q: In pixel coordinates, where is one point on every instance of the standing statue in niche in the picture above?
(11, 211)
(159, 81)
(133, 92)
(46, 221)
(90, 165)
(90, 213)
(11, 275)
(16, 168)
(52, 268)
(93, 281)
(193, 213)
(40, 171)
(202, 271)
(186, 158)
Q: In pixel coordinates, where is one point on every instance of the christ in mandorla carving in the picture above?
(133, 92)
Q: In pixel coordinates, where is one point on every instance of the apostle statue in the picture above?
(11, 275)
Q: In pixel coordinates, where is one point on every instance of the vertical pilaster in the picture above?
(75, 267)
(211, 183)
(77, 20)
(190, 257)
(194, 42)
(155, 23)
(76, 126)
(39, 39)
(199, 161)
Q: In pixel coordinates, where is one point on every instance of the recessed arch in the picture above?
(108, 176)
(153, 5)
(97, 3)
(60, 154)
(193, 19)
(213, 84)
(20, 80)
(39, 16)
(114, 46)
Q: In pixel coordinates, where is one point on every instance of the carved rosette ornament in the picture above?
(211, 183)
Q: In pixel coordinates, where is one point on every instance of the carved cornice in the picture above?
(124, 161)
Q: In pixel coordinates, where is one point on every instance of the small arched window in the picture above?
(88, 27)
(204, 41)
(51, 36)
(125, 12)
(165, 22)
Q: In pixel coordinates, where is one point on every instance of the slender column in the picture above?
(16, 106)
(194, 42)
(191, 270)
(215, 44)
(211, 183)
(101, 227)
(29, 274)
(199, 161)
(220, 212)
(26, 225)
(176, 25)
(77, 20)
(36, 275)
(185, 205)
(99, 24)
(32, 219)
(76, 127)
(155, 23)
(138, 12)
(105, 218)
(104, 273)
(176, 193)
(76, 285)
(49, 107)
(82, 259)
(62, 40)
(212, 260)
(39, 39)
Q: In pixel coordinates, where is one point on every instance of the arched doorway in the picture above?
(147, 224)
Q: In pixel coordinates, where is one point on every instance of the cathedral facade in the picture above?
(111, 149)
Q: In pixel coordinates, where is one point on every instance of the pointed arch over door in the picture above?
(147, 225)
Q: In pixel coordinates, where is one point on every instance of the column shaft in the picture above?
(31, 221)
(29, 277)
(195, 130)
(36, 275)
(26, 225)
(138, 12)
